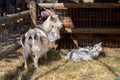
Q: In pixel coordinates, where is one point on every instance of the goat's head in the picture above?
(52, 24)
(96, 49)
(53, 18)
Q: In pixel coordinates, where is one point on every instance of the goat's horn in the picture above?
(44, 8)
(50, 11)
(53, 11)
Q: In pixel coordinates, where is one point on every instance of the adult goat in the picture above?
(35, 41)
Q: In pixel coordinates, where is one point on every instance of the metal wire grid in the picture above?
(84, 40)
(91, 18)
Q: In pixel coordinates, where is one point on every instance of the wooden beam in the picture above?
(92, 30)
(88, 1)
(80, 5)
(11, 48)
(14, 17)
(33, 12)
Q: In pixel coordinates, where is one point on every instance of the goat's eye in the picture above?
(54, 19)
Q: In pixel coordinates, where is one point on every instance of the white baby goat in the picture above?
(86, 54)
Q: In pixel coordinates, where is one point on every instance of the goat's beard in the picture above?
(53, 35)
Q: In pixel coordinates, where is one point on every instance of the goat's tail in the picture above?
(27, 38)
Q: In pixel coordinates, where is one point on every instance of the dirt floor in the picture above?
(105, 67)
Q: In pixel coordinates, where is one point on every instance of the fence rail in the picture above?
(92, 30)
(80, 5)
(14, 17)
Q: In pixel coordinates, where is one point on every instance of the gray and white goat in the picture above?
(35, 41)
(86, 54)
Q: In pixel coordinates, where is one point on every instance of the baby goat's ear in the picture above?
(100, 43)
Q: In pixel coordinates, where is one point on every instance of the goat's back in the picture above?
(35, 41)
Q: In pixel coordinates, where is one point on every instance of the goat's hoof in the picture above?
(36, 67)
(26, 67)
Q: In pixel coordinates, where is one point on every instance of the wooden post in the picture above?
(33, 12)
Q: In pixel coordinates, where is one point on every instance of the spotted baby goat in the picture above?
(85, 54)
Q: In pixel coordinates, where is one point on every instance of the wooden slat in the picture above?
(92, 30)
(11, 48)
(80, 5)
(14, 17)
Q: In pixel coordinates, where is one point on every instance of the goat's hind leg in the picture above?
(25, 62)
(25, 56)
(36, 61)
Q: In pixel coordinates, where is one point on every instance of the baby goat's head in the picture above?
(96, 49)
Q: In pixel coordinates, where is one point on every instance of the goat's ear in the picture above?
(100, 43)
(45, 14)
(56, 1)
(88, 46)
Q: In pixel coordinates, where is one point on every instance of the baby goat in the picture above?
(86, 54)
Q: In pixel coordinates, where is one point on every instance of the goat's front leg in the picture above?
(36, 61)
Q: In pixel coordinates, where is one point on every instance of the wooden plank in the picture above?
(80, 5)
(14, 17)
(11, 48)
(92, 30)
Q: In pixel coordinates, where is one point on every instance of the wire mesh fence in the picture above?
(99, 18)
(92, 17)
